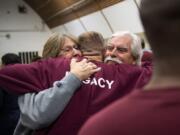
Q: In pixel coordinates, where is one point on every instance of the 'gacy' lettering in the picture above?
(101, 82)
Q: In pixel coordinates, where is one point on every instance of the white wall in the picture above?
(96, 22)
(61, 29)
(124, 16)
(74, 27)
(121, 16)
(27, 32)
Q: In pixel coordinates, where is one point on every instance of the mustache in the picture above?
(109, 58)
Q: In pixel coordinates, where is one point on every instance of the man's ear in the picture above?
(134, 61)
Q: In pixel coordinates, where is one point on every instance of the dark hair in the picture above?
(10, 58)
(161, 21)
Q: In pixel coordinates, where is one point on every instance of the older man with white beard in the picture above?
(123, 47)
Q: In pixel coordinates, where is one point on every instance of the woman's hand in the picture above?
(83, 69)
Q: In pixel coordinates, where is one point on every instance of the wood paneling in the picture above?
(35, 4)
(61, 20)
(47, 8)
(107, 3)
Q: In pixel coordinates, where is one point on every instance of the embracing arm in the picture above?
(39, 110)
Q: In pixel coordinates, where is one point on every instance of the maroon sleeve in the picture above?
(25, 78)
(147, 57)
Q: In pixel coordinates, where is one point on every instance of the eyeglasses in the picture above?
(119, 49)
(70, 48)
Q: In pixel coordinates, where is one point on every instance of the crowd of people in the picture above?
(87, 86)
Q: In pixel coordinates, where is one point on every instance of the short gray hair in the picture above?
(136, 48)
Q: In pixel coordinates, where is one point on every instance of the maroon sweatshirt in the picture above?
(153, 112)
(111, 83)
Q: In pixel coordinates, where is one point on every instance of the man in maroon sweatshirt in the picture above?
(155, 109)
(112, 82)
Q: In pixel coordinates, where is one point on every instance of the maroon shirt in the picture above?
(111, 83)
(153, 112)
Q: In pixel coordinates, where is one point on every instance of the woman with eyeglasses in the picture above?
(61, 45)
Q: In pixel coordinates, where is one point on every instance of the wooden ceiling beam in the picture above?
(57, 12)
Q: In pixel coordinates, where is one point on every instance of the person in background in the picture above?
(61, 45)
(9, 110)
(154, 109)
(9, 59)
